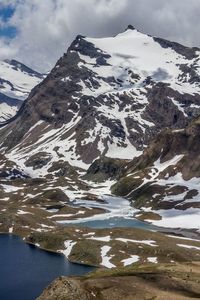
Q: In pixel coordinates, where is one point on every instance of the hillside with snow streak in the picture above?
(164, 182)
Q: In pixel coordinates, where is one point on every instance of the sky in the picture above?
(38, 32)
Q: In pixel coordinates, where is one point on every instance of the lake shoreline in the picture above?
(177, 233)
(36, 268)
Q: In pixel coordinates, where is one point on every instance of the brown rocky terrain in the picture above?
(165, 147)
(167, 175)
(162, 282)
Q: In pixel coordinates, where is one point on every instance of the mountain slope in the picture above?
(95, 108)
(16, 82)
(165, 180)
(105, 97)
(161, 282)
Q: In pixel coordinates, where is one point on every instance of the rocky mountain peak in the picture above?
(107, 97)
(130, 27)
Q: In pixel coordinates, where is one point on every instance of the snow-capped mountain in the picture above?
(16, 82)
(100, 107)
(105, 96)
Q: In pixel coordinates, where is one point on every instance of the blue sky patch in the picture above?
(7, 31)
(6, 13)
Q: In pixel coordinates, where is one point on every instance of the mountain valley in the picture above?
(109, 137)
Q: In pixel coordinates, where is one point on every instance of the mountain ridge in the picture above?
(16, 82)
(79, 74)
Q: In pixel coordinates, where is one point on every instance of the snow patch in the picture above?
(105, 258)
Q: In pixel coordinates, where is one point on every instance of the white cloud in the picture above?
(47, 27)
(6, 51)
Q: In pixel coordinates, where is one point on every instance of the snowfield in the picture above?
(16, 83)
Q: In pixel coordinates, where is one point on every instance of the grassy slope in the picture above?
(160, 282)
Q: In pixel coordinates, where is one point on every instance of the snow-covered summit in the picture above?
(146, 57)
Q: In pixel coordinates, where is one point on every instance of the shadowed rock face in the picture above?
(104, 168)
(188, 52)
(9, 101)
(163, 111)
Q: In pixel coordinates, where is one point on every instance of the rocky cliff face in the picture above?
(16, 82)
(106, 97)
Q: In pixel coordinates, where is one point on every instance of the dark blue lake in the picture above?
(25, 270)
